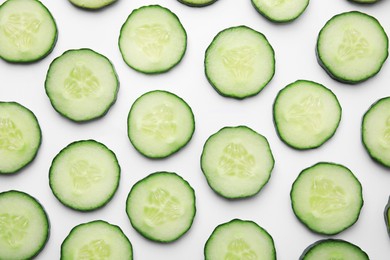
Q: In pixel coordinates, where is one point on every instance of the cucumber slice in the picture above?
(237, 162)
(96, 240)
(82, 85)
(376, 131)
(327, 249)
(24, 226)
(239, 62)
(239, 239)
(152, 40)
(352, 47)
(160, 124)
(197, 3)
(28, 31)
(327, 198)
(161, 207)
(306, 114)
(20, 137)
(92, 4)
(387, 217)
(84, 175)
(280, 11)
(364, 1)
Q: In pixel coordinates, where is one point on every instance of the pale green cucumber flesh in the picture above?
(24, 226)
(92, 4)
(20, 137)
(82, 85)
(96, 240)
(161, 206)
(239, 239)
(327, 198)
(306, 114)
(84, 175)
(333, 249)
(237, 162)
(197, 3)
(152, 39)
(239, 62)
(28, 31)
(352, 47)
(160, 123)
(281, 10)
(376, 131)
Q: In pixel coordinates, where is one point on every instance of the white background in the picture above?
(294, 45)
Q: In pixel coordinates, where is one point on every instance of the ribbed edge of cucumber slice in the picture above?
(161, 207)
(364, 1)
(280, 11)
(97, 239)
(197, 3)
(20, 137)
(327, 198)
(333, 249)
(24, 226)
(352, 47)
(29, 31)
(92, 4)
(239, 239)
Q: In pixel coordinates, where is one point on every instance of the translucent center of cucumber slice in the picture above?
(275, 3)
(152, 38)
(238, 249)
(11, 138)
(162, 208)
(385, 141)
(97, 250)
(239, 61)
(307, 113)
(81, 83)
(13, 229)
(353, 46)
(326, 197)
(20, 28)
(337, 256)
(236, 161)
(160, 123)
(84, 176)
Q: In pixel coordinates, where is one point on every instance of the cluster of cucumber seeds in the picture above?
(82, 85)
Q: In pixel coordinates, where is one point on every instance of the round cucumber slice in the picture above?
(197, 3)
(20, 137)
(239, 62)
(280, 11)
(364, 1)
(352, 47)
(160, 124)
(92, 4)
(240, 239)
(84, 175)
(24, 226)
(96, 240)
(333, 249)
(327, 198)
(376, 131)
(152, 40)
(237, 162)
(306, 114)
(387, 217)
(161, 207)
(29, 32)
(82, 85)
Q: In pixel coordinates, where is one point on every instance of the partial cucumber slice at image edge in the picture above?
(96, 239)
(84, 175)
(20, 137)
(92, 4)
(333, 249)
(364, 1)
(30, 40)
(352, 47)
(237, 162)
(375, 131)
(161, 207)
(160, 124)
(152, 40)
(24, 226)
(197, 3)
(82, 85)
(239, 239)
(327, 198)
(306, 114)
(239, 62)
(386, 214)
(280, 11)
